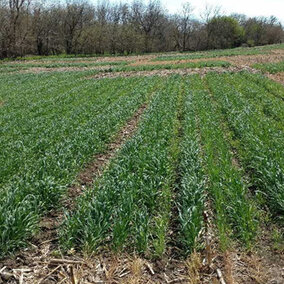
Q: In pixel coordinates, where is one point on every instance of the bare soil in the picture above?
(238, 60)
(248, 60)
(179, 61)
(39, 69)
(87, 60)
(167, 72)
(278, 77)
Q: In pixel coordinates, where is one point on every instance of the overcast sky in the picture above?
(247, 7)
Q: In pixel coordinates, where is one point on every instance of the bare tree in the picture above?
(207, 15)
(147, 19)
(73, 24)
(18, 21)
(185, 24)
(76, 26)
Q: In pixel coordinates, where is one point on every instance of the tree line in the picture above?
(79, 27)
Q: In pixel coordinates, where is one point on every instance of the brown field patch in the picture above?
(167, 72)
(165, 62)
(244, 60)
(277, 51)
(238, 60)
(36, 70)
(278, 77)
(85, 60)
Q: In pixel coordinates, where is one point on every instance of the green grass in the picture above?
(114, 66)
(215, 140)
(211, 54)
(49, 130)
(192, 180)
(258, 96)
(271, 68)
(272, 87)
(65, 57)
(258, 139)
(130, 206)
(235, 214)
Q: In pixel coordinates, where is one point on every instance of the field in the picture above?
(162, 168)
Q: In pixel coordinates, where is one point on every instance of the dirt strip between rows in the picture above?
(278, 77)
(208, 270)
(37, 263)
(167, 72)
(36, 70)
(238, 60)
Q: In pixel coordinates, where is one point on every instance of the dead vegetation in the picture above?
(237, 60)
(234, 266)
(165, 62)
(248, 60)
(36, 70)
(167, 72)
(278, 77)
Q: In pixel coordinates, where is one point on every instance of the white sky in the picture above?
(248, 7)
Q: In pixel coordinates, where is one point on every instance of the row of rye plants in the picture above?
(51, 140)
(27, 103)
(234, 213)
(258, 96)
(210, 54)
(109, 66)
(38, 111)
(180, 143)
(191, 186)
(272, 87)
(219, 53)
(259, 141)
(130, 206)
(270, 67)
(23, 89)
